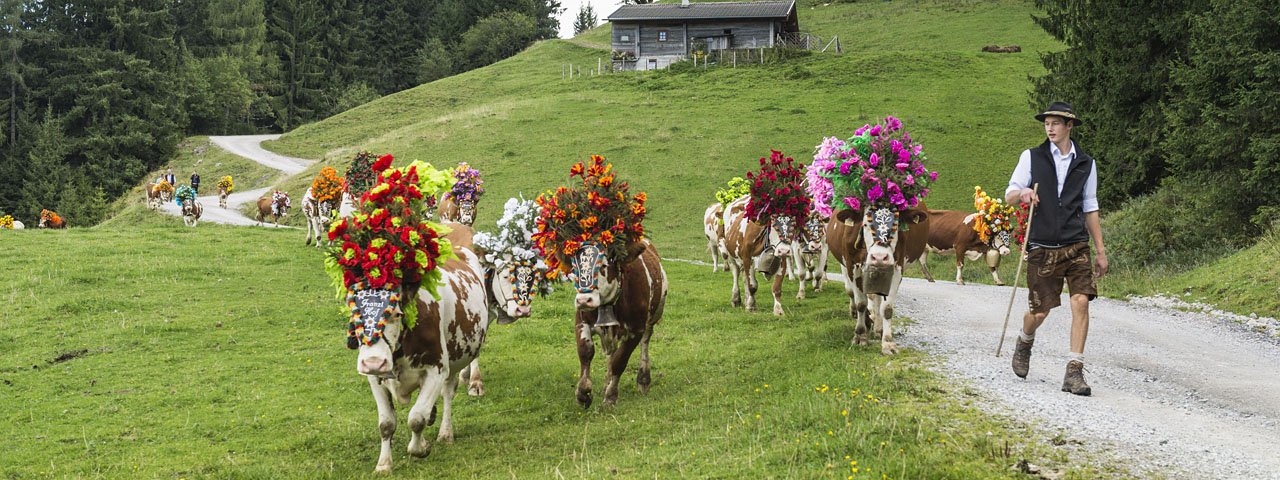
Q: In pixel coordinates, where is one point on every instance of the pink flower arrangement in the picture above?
(879, 165)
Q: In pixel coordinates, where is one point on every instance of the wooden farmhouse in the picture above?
(652, 36)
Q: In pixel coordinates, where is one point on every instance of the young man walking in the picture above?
(1066, 218)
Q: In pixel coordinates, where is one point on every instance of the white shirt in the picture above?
(1022, 175)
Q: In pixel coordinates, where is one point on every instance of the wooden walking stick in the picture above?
(1022, 258)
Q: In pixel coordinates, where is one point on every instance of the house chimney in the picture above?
(684, 4)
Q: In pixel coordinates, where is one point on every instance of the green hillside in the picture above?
(681, 134)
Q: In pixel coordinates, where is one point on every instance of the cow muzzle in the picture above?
(515, 310)
(374, 365)
(587, 301)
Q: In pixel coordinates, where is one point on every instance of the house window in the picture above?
(625, 38)
(728, 31)
(662, 35)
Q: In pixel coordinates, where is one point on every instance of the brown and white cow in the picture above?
(447, 337)
(713, 229)
(153, 196)
(621, 302)
(454, 210)
(191, 211)
(951, 232)
(276, 207)
(809, 262)
(222, 197)
(509, 292)
(872, 248)
(753, 246)
(318, 214)
(51, 220)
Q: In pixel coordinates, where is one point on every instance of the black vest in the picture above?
(1059, 220)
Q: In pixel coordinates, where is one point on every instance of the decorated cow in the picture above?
(158, 193)
(987, 233)
(713, 221)
(416, 302)
(514, 273)
(460, 202)
(873, 186)
(191, 207)
(809, 261)
(50, 219)
(762, 228)
(593, 232)
(225, 186)
(320, 203)
(275, 207)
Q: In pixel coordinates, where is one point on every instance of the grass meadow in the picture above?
(151, 350)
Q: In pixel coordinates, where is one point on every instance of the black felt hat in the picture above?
(1060, 109)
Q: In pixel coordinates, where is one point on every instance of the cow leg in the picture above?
(386, 423)
(618, 364)
(311, 226)
(924, 266)
(752, 284)
(887, 347)
(995, 275)
(857, 303)
(959, 266)
(642, 377)
(736, 298)
(586, 352)
(446, 411)
(777, 291)
(434, 380)
(804, 279)
(474, 380)
(820, 270)
(715, 255)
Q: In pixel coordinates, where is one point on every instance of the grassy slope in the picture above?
(218, 352)
(680, 136)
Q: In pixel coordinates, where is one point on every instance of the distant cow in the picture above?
(318, 214)
(18, 225)
(454, 210)
(951, 232)
(447, 337)
(275, 207)
(749, 243)
(872, 248)
(810, 260)
(222, 197)
(713, 229)
(621, 302)
(153, 196)
(49, 219)
(191, 210)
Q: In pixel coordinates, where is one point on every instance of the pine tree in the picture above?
(586, 19)
(47, 172)
(295, 28)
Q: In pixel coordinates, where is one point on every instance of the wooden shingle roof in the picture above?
(704, 11)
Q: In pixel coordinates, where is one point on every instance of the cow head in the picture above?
(597, 280)
(782, 235)
(815, 233)
(325, 211)
(188, 207)
(280, 204)
(1001, 242)
(880, 227)
(513, 285)
(466, 211)
(375, 335)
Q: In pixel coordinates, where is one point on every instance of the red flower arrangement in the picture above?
(386, 244)
(361, 174)
(778, 189)
(601, 210)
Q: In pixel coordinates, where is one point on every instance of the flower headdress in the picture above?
(185, 192)
(601, 210)
(514, 241)
(777, 190)
(227, 184)
(737, 187)
(993, 215)
(360, 175)
(50, 216)
(879, 165)
(327, 185)
(467, 183)
(387, 245)
(164, 186)
(6, 222)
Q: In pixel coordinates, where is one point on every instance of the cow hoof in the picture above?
(888, 348)
(1000, 284)
(384, 467)
(960, 282)
(445, 437)
(799, 296)
(735, 302)
(777, 310)
(584, 398)
(419, 448)
(643, 380)
(860, 340)
(476, 390)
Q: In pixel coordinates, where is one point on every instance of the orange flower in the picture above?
(588, 222)
(570, 247)
(576, 169)
(595, 170)
(606, 180)
(641, 197)
(597, 159)
(562, 189)
(606, 237)
(637, 209)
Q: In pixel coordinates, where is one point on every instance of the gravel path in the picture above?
(1186, 394)
(250, 147)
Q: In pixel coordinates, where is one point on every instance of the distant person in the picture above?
(195, 182)
(1058, 243)
(168, 177)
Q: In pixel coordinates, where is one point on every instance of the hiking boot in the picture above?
(1022, 357)
(1074, 381)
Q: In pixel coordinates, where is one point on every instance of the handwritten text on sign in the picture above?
(370, 304)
